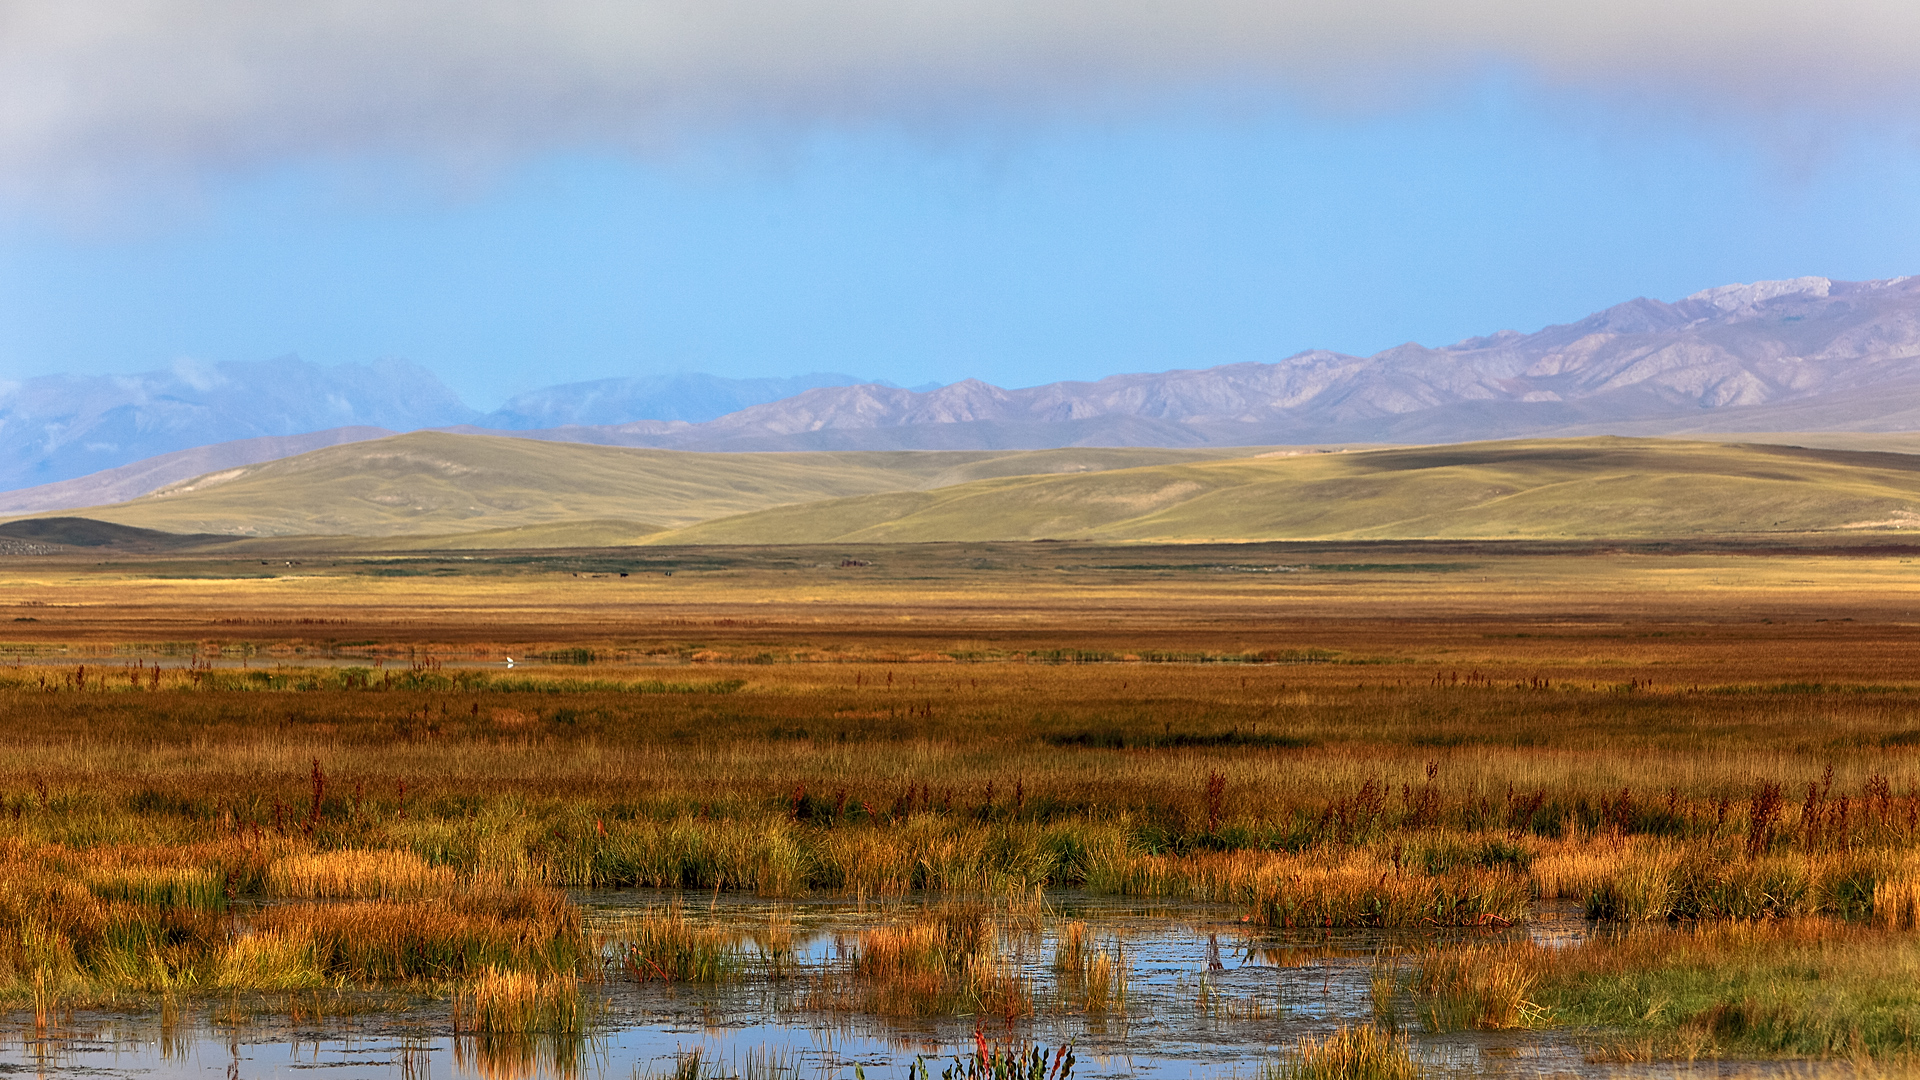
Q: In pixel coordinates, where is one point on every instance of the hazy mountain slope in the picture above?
(61, 427)
(1546, 488)
(435, 483)
(690, 397)
(1803, 354)
(130, 481)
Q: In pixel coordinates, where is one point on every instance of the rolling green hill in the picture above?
(443, 491)
(1599, 487)
(433, 484)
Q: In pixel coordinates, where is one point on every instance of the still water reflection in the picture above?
(1206, 997)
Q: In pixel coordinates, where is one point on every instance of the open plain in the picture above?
(1714, 739)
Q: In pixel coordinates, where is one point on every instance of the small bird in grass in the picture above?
(509, 661)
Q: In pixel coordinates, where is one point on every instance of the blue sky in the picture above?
(1020, 237)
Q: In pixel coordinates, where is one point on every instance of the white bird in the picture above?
(509, 661)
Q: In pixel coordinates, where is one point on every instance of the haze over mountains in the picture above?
(1807, 354)
(61, 427)
(1803, 355)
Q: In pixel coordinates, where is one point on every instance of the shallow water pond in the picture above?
(1205, 996)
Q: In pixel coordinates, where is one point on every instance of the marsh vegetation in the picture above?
(1733, 803)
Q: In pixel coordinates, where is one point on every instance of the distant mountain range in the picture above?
(159, 427)
(1804, 355)
(688, 398)
(59, 427)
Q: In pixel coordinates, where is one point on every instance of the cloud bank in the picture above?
(107, 92)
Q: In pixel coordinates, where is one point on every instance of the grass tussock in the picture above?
(663, 945)
(1351, 1053)
(1091, 976)
(1475, 987)
(945, 961)
(519, 1003)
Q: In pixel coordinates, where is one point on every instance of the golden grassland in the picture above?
(427, 483)
(1409, 736)
(510, 491)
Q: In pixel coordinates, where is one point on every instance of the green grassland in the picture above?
(437, 484)
(456, 492)
(1534, 489)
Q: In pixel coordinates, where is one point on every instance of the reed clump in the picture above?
(1476, 987)
(364, 943)
(518, 1002)
(945, 961)
(1091, 976)
(1351, 1053)
(1670, 883)
(1106, 981)
(663, 945)
(1896, 896)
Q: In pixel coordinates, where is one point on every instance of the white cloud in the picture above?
(112, 92)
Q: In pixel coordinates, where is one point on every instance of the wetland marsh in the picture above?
(1539, 809)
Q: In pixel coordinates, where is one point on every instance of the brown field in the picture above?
(1391, 734)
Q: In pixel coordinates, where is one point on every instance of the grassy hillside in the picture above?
(1599, 487)
(557, 494)
(437, 490)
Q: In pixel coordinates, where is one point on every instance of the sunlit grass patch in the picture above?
(373, 943)
(518, 1002)
(1815, 988)
(359, 875)
(665, 946)
(1475, 987)
(1351, 1053)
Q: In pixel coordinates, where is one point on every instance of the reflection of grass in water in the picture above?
(945, 961)
(1351, 1053)
(1096, 976)
(1211, 1003)
(755, 1063)
(519, 1055)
